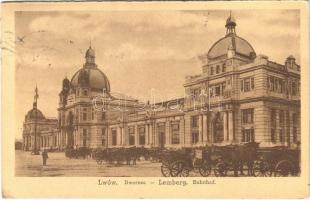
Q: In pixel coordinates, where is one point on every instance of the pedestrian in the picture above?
(44, 157)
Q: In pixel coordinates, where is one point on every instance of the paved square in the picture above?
(59, 165)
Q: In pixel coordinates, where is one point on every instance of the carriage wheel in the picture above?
(205, 169)
(165, 170)
(261, 169)
(220, 169)
(184, 172)
(176, 168)
(283, 168)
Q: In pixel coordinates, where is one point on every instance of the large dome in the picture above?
(231, 42)
(240, 45)
(91, 77)
(31, 115)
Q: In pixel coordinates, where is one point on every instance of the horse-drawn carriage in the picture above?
(181, 162)
(232, 159)
(120, 155)
(277, 161)
(82, 152)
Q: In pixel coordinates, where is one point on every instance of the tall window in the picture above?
(288, 135)
(281, 126)
(281, 135)
(294, 89)
(103, 116)
(131, 132)
(295, 124)
(194, 121)
(84, 137)
(247, 84)
(161, 134)
(175, 133)
(211, 70)
(224, 67)
(141, 132)
(276, 84)
(247, 116)
(195, 136)
(217, 69)
(103, 137)
(272, 83)
(84, 114)
(223, 88)
(196, 93)
(281, 86)
(195, 129)
(77, 115)
(248, 135)
(273, 125)
(92, 114)
(114, 137)
(217, 90)
(55, 140)
(281, 118)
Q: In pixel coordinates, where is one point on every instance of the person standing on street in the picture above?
(44, 157)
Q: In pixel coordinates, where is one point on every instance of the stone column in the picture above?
(60, 139)
(231, 126)
(67, 138)
(155, 135)
(78, 138)
(204, 128)
(146, 126)
(124, 136)
(151, 137)
(107, 137)
(225, 126)
(167, 132)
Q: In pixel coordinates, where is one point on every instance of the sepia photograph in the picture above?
(204, 93)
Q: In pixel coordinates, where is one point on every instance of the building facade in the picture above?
(40, 130)
(238, 97)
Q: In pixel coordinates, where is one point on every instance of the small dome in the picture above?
(90, 53)
(240, 45)
(32, 114)
(91, 77)
(291, 57)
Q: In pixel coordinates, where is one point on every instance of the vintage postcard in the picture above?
(155, 99)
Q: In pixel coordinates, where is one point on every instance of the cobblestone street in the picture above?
(59, 165)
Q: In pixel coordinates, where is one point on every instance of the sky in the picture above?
(139, 51)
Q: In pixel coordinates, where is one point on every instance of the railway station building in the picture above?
(238, 97)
